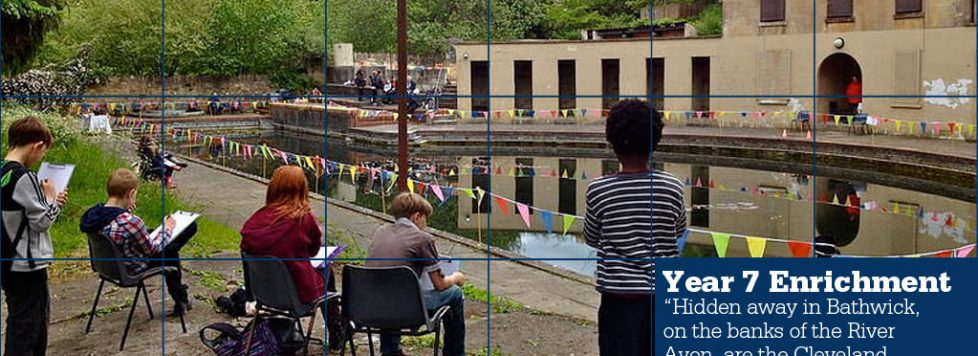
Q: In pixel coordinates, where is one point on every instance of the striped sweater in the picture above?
(631, 219)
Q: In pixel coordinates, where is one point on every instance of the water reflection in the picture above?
(762, 203)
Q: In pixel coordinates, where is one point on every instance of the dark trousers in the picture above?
(454, 323)
(28, 312)
(174, 280)
(625, 325)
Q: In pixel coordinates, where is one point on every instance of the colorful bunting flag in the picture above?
(721, 241)
(524, 213)
(800, 249)
(502, 205)
(438, 193)
(547, 221)
(568, 221)
(964, 251)
(756, 245)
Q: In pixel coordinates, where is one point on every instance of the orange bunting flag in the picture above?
(502, 205)
(800, 249)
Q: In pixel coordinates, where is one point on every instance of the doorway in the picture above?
(834, 75)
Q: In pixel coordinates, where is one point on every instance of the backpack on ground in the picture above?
(257, 339)
(10, 173)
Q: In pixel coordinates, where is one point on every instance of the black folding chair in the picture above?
(109, 263)
(270, 283)
(386, 299)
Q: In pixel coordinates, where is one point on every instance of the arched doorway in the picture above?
(834, 75)
(838, 221)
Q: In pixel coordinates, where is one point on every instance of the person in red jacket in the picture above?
(854, 94)
(286, 228)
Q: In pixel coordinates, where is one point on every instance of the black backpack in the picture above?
(10, 173)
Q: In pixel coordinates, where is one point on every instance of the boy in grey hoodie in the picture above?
(29, 208)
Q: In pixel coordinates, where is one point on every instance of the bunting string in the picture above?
(756, 245)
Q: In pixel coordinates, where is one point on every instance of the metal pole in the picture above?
(402, 147)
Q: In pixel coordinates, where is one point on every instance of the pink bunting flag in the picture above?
(438, 193)
(524, 213)
(964, 251)
(284, 157)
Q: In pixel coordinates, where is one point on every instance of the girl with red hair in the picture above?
(286, 228)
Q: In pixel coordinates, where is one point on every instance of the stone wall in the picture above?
(185, 85)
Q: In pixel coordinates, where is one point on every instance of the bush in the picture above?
(710, 21)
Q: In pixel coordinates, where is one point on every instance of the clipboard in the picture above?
(183, 219)
(325, 254)
(59, 174)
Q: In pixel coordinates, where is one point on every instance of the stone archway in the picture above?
(834, 75)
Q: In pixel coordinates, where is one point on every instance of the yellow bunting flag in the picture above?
(512, 172)
(451, 173)
(564, 113)
(353, 172)
(451, 112)
(721, 241)
(396, 115)
(482, 194)
(837, 118)
(568, 221)
(309, 162)
(898, 123)
(468, 192)
(564, 175)
(848, 201)
(410, 184)
(835, 200)
(756, 245)
(511, 112)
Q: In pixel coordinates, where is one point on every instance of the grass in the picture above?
(500, 305)
(87, 187)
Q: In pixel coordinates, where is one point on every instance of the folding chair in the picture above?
(109, 263)
(386, 299)
(270, 282)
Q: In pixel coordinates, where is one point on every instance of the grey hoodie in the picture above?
(40, 215)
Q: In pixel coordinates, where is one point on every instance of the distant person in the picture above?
(214, 106)
(360, 82)
(406, 243)
(116, 220)
(377, 81)
(411, 85)
(286, 228)
(30, 208)
(158, 164)
(854, 95)
(315, 95)
(619, 214)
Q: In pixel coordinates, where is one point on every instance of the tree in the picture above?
(566, 19)
(25, 22)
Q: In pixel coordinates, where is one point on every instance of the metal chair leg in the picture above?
(183, 324)
(370, 343)
(132, 310)
(91, 315)
(437, 339)
(349, 339)
(149, 308)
